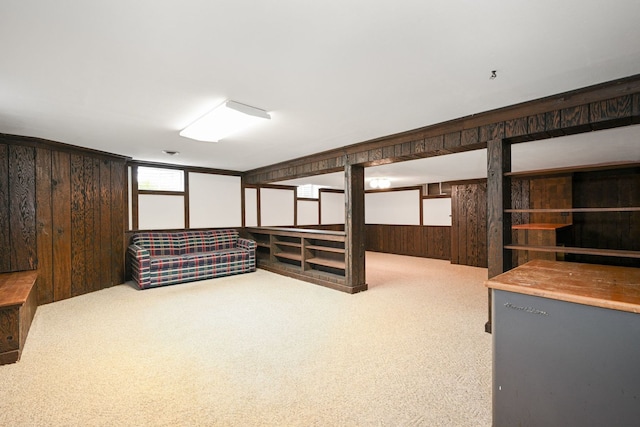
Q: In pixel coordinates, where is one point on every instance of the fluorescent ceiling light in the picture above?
(224, 120)
(380, 183)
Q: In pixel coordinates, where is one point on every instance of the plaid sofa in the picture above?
(165, 258)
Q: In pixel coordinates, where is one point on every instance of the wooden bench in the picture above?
(18, 303)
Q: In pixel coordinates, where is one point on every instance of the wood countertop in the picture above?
(15, 287)
(605, 286)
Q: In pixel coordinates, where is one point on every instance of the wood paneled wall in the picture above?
(74, 227)
(551, 193)
(412, 240)
(17, 208)
(606, 230)
(469, 224)
(602, 230)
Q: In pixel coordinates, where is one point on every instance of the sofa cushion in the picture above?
(171, 262)
(196, 241)
(222, 239)
(160, 243)
(218, 257)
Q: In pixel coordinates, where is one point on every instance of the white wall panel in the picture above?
(436, 211)
(160, 211)
(393, 207)
(332, 207)
(251, 207)
(276, 207)
(214, 200)
(308, 212)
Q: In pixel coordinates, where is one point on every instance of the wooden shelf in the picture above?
(326, 249)
(290, 244)
(539, 226)
(327, 262)
(572, 169)
(573, 250)
(317, 256)
(289, 255)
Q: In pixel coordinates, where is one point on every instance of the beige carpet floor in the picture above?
(262, 350)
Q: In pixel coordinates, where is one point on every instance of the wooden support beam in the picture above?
(354, 228)
(498, 198)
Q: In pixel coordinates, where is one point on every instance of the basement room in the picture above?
(223, 213)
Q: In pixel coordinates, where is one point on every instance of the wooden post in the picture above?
(498, 198)
(354, 228)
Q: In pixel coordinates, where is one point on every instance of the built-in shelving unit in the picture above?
(316, 256)
(561, 249)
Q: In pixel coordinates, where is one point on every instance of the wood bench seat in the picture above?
(18, 303)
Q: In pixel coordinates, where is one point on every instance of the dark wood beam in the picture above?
(355, 228)
(498, 198)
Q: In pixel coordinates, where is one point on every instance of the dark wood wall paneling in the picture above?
(412, 240)
(17, 206)
(551, 193)
(5, 221)
(469, 224)
(593, 189)
(76, 216)
(606, 230)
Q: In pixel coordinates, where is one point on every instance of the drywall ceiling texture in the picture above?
(125, 78)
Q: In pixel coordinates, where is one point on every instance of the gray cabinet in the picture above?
(566, 345)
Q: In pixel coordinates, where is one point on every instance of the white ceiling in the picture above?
(126, 76)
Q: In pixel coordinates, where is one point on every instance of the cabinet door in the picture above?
(558, 363)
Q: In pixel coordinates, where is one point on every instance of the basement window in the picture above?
(160, 179)
(309, 191)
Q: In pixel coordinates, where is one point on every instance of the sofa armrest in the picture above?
(140, 265)
(247, 244)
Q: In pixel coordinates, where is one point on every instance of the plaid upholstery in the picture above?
(166, 258)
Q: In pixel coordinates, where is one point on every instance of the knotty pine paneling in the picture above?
(104, 226)
(5, 227)
(575, 119)
(44, 225)
(553, 123)
(61, 207)
(63, 212)
(470, 136)
(515, 127)
(434, 144)
(520, 188)
(78, 236)
(92, 222)
(492, 131)
(469, 224)
(118, 220)
(22, 208)
(411, 240)
(635, 108)
(606, 230)
(551, 193)
(610, 109)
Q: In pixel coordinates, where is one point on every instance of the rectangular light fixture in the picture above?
(224, 120)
